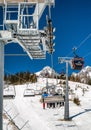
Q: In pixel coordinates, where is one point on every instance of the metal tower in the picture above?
(20, 23)
(66, 60)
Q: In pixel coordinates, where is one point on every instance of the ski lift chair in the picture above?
(29, 92)
(9, 92)
(77, 63)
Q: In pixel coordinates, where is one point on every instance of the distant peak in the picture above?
(47, 70)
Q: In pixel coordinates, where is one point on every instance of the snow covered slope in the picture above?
(28, 111)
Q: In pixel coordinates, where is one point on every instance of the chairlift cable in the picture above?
(84, 41)
(86, 38)
(87, 54)
(78, 62)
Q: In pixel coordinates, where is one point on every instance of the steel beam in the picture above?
(66, 114)
(1, 83)
(17, 1)
(66, 109)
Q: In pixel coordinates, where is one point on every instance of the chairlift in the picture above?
(77, 62)
(29, 92)
(9, 92)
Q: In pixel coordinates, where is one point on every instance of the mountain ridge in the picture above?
(84, 74)
(47, 71)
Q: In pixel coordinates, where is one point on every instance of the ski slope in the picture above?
(28, 114)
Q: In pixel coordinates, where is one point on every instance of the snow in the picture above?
(86, 71)
(47, 71)
(28, 111)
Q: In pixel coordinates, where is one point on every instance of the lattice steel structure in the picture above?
(20, 23)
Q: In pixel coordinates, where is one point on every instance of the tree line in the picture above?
(85, 79)
(23, 77)
(20, 78)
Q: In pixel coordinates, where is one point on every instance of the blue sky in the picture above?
(72, 20)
